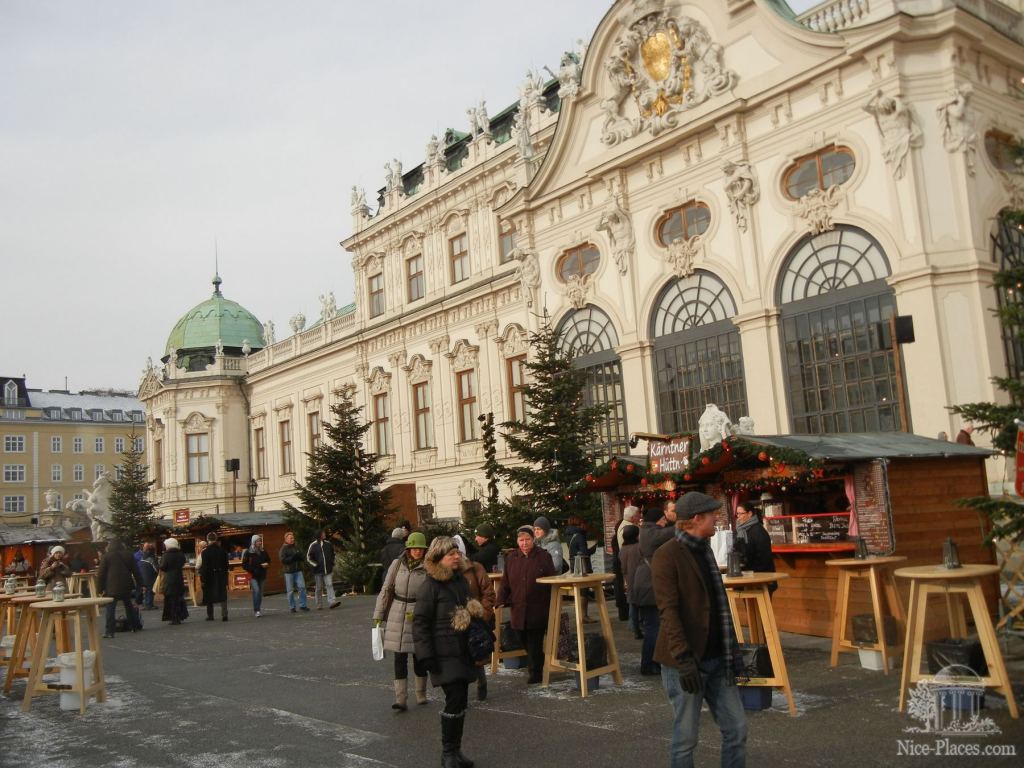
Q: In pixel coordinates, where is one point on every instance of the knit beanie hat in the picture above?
(398, 533)
(525, 529)
(543, 523)
(486, 530)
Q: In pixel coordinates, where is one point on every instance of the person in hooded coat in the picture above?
(255, 562)
(480, 588)
(547, 539)
(172, 565)
(213, 572)
(440, 626)
(117, 578)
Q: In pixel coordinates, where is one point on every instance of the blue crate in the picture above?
(755, 697)
(515, 662)
(593, 683)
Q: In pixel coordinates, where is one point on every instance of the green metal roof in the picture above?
(870, 445)
(216, 318)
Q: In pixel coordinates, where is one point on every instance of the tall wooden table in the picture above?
(25, 636)
(752, 590)
(951, 583)
(191, 576)
(9, 611)
(877, 572)
(573, 586)
(499, 610)
(76, 580)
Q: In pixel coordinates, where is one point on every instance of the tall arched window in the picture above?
(589, 338)
(697, 354)
(10, 393)
(839, 363)
(1007, 253)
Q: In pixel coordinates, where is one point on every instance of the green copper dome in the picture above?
(215, 319)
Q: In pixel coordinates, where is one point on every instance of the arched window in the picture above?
(1008, 253)
(697, 354)
(589, 338)
(683, 223)
(10, 393)
(579, 261)
(820, 170)
(839, 361)
(1003, 152)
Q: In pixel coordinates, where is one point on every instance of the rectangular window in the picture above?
(14, 473)
(260, 445)
(98, 446)
(507, 242)
(158, 464)
(118, 472)
(14, 505)
(118, 445)
(56, 446)
(78, 445)
(515, 368)
(197, 449)
(421, 412)
(97, 471)
(138, 445)
(382, 423)
(56, 473)
(78, 473)
(14, 443)
(314, 430)
(376, 284)
(58, 502)
(414, 277)
(286, 448)
(465, 386)
(458, 250)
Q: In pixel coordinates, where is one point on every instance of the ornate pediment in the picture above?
(464, 356)
(661, 66)
(418, 369)
(515, 341)
(196, 422)
(150, 385)
(379, 381)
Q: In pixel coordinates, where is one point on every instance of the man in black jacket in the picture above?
(394, 548)
(294, 578)
(487, 548)
(320, 556)
(117, 578)
(213, 572)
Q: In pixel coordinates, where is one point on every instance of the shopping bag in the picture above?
(377, 643)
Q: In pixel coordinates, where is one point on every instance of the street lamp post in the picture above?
(252, 486)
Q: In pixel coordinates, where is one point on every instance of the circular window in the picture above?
(684, 222)
(577, 262)
(824, 169)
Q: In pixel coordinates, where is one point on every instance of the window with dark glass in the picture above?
(197, 448)
(158, 464)
(507, 238)
(1003, 152)
(515, 369)
(1008, 253)
(465, 387)
(580, 261)
(421, 415)
(458, 251)
(260, 444)
(286, 448)
(820, 170)
(314, 430)
(683, 223)
(382, 423)
(414, 277)
(376, 284)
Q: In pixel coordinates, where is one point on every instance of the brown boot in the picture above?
(401, 695)
(421, 690)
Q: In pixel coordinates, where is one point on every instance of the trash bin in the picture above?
(68, 663)
(6, 646)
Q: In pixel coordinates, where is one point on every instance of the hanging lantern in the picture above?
(687, 478)
(762, 456)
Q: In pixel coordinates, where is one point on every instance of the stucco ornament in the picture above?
(816, 208)
(683, 253)
(615, 221)
(898, 128)
(218, 348)
(531, 92)
(712, 426)
(97, 508)
(52, 499)
(268, 333)
(742, 189)
(1014, 186)
(521, 127)
(577, 289)
(328, 306)
(668, 64)
(569, 70)
(744, 426)
(433, 152)
(957, 133)
(527, 272)
(246, 347)
(358, 202)
(297, 323)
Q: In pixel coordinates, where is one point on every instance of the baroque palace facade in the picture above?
(714, 201)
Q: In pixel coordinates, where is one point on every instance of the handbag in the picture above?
(480, 640)
(158, 585)
(377, 643)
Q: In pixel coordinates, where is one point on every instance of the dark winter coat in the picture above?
(641, 586)
(578, 547)
(172, 563)
(480, 587)
(54, 571)
(527, 600)
(251, 564)
(320, 555)
(391, 551)
(118, 572)
(755, 547)
(440, 619)
(683, 604)
(213, 572)
(148, 566)
(487, 555)
(291, 558)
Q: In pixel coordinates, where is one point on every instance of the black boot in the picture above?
(481, 684)
(460, 759)
(449, 747)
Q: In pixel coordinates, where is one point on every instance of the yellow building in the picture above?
(58, 443)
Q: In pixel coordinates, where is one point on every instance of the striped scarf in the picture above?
(730, 647)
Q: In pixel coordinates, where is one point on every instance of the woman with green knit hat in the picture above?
(394, 609)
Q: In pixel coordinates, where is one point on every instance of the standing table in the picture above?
(25, 637)
(499, 611)
(191, 579)
(9, 612)
(877, 571)
(927, 580)
(753, 588)
(75, 581)
(573, 586)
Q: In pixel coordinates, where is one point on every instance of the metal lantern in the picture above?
(40, 588)
(950, 555)
(58, 592)
(11, 585)
(735, 567)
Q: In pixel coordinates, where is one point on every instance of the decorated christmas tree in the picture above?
(130, 507)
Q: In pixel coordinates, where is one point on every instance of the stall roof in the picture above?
(870, 445)
(251, 519)
(27, 534)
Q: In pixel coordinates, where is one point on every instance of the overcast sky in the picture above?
(134, 134)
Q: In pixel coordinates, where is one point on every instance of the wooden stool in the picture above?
(573, 586)
(69, 612)
(929, 580)
(499, 654)
(877, 571)
(761, 623)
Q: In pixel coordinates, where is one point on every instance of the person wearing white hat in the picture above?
(171, 565)
(55, 569)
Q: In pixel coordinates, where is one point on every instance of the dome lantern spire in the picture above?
(216, 284)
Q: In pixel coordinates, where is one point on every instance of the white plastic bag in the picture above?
(721, 543)
(377, 643)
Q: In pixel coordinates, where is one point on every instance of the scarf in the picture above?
(742, 528)
(730, 647)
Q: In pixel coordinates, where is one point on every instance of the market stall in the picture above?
(818, 494)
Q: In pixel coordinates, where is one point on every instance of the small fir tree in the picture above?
(343, 491)
(554, 437)
(130, 507)
(503, 517)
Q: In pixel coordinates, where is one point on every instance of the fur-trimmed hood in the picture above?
(439, 571)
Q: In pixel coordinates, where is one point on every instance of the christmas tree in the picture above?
(130, 507)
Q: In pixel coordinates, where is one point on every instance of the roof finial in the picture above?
(216, 270)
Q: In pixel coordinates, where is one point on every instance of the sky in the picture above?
(139, 138)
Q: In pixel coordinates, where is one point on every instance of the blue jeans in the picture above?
(257, 594)
(650, 621)
(323, 584)
(726, 708)
(295, 582)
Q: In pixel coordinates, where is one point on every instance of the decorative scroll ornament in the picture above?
(615, 221)
(816, 207)
(898, 127)
(742, 189)
(668, 65)
(1014, 186)
(682, 254)
(379, 381)
(577, 289)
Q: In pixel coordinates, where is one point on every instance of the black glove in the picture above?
(430, 665)
(689, 675)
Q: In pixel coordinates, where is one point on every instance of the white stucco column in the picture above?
(764, 371)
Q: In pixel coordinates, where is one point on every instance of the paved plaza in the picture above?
(302, 690)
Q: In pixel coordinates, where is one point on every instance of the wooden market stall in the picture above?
(35, 541)
(816, 493)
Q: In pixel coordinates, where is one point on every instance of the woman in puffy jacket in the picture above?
(441, 619)
(394, 608)
(480, 588)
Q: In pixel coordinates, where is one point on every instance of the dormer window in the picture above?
(10, 393)
(823, 169)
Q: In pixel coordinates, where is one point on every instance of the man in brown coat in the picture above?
(696, 645)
